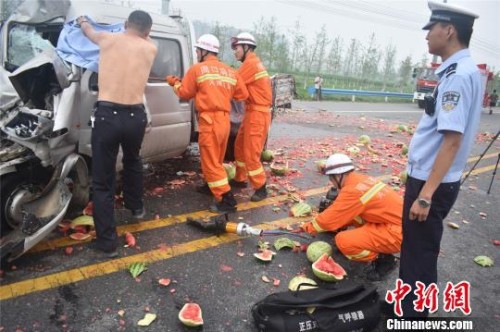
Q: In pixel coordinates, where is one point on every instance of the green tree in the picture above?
(405, 71)
(267, 34)
(388, 69)
(351, 58)
(322, 41)
(297, 42)
(334, 59)
(370, 59)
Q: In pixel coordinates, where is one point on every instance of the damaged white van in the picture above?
(45, 105)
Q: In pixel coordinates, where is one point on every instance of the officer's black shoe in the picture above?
(238, 184)
(259, 194)
(380, 267)
(204, 189)
(226, 205)
(139, 213)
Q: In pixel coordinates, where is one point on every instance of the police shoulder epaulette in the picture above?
(450, 70)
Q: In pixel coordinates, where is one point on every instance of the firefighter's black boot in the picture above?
(238, 184)
(226, 205)
(204, 189)
(259, 194)
(380, 267)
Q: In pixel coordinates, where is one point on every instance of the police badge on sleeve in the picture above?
(450, 100)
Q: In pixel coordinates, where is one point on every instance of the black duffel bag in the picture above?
(345, 306)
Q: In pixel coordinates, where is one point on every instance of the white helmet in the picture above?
(338, 163)
(243, 38)
(208, 42)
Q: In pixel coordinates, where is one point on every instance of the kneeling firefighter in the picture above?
(373, 208)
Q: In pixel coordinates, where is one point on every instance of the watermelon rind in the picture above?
(294, 283)
(265, 255)
(316, 249)
(190, 315)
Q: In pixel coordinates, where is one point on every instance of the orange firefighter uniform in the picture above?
(213, 84)
(253, 130)
(373, 208)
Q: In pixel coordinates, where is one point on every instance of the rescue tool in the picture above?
(220, 224)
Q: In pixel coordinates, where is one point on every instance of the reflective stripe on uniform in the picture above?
(362, 254)
(261, 74)
(216, 77)
(240, 163)
(316, 226)
(256, 171)
(218, 183)
(372, 192)
(177, 86)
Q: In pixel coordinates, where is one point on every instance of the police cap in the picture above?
(443, 12)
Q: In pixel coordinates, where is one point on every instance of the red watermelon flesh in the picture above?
(327, 269)
(190, 315)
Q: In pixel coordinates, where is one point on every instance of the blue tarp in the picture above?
(74, 47)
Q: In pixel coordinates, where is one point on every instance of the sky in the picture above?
(397, 22)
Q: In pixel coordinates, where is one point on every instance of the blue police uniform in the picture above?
(458, 98)
(458, 108)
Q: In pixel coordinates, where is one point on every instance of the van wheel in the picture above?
(16, 189)
(421, 104)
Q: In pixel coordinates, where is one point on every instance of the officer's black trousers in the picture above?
(421, 240)
(115, 125)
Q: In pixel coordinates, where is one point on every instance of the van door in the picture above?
(170, 130)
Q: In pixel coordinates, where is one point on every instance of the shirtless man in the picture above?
(125, 61)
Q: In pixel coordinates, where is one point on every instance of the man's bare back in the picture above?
(125, 61)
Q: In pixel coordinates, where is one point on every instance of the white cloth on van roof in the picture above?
(74, 47)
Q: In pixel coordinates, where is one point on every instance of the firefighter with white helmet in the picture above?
(254, 128)
(371, 207)
(213, 85)
(208, 43)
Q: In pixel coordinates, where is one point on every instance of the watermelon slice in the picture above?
(190, 315)
(326, 269)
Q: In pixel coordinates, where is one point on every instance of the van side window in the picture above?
(168, 60)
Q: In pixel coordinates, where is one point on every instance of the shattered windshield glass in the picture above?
(24, 44)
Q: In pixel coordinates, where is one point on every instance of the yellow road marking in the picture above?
(95, 270)
(100, 269)
(486, 156)
(482, 169)
(163, 222)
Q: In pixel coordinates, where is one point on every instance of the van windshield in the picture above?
(26, 41)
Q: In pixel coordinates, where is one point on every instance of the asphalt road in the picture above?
(50, 290)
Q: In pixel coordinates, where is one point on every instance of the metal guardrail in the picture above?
(311, 90)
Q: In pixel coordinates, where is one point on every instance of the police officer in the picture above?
(439, 148)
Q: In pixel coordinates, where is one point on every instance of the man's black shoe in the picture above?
(103, 252)
(238, 184)
(139, 213)
(226, 205)
(259, 194)
(204, 189)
